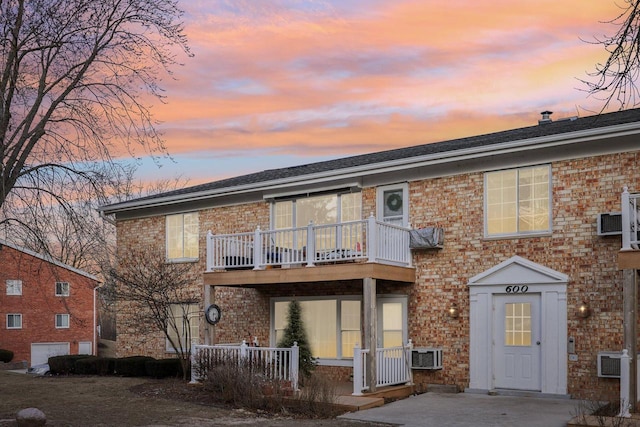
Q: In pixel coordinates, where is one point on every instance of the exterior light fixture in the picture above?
(584, 310)
(453, 311)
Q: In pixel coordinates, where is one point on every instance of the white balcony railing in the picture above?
(393, 366)
(630, 221)
(369, 240)
(274, 363)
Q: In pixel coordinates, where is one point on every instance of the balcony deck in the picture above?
(316, 253)
(319, 273)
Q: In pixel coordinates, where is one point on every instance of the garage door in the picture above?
(41, 352)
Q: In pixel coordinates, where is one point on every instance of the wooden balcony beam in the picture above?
(319, 273)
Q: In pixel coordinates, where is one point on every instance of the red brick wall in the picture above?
(582, 188)
(38, 304)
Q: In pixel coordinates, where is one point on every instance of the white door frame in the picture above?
(503, 279)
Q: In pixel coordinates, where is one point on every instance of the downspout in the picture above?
(95, 322)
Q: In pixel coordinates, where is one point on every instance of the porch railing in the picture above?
(273, 362)
(369, 240)
(393, 366)
(630, 220)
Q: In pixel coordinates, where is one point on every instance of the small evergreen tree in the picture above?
(295, 332)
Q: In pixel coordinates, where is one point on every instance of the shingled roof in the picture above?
(544, 129)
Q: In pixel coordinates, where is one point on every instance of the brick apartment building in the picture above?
(522, 293)
(47, 308)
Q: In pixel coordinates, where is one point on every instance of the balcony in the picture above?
(350, 250)
(629, 256)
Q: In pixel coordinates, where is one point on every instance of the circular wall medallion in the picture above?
(212, 314)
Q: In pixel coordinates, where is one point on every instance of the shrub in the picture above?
(164, 368)
(133, 366)
(6, 356)
(86, 366)
(318, 397)
(64, 365)
(233, 383)
(105, 366)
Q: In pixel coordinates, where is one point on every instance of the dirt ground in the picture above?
(116, 401)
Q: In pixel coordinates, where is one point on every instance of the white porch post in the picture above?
(370, 329)
(626, 220)
(311, 245)
(372, 239)
(295, 365)
(357, 370)
(257, 250)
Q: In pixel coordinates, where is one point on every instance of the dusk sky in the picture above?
(285, 82)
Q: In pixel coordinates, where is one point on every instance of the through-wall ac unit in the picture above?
(609, 364)
(426, 358)
(609, 224)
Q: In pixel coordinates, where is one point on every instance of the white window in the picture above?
(62, 289)
(393, 204)
(182, 236)
(62, 321)
(182, 326)
(518, 201)
(14, 321)
(14, 287)
(321, 210)
(332, 325)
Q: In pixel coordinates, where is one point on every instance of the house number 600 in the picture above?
(517, 289)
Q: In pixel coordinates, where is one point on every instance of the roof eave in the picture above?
(388, 166)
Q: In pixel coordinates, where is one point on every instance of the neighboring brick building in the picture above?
(47, 308)
(500, 296)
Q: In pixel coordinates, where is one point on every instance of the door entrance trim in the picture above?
(533, 278)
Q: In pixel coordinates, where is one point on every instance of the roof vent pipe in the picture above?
(546, 117)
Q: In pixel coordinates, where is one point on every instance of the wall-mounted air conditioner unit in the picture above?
(609, 224)
(609, 364)
(426, 358)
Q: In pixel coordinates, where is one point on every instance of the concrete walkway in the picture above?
(469, 409)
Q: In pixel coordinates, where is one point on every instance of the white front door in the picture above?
(517, 341)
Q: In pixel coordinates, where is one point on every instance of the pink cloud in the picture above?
(316, 81)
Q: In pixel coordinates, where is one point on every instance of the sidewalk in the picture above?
(471, 410)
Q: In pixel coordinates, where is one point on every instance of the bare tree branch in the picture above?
(157, 297)
(614, 81)
(75, 79)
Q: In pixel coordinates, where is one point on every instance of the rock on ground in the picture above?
(31, 417)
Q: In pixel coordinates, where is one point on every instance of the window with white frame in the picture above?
(14, 287)
(62, 289)
(14, 321)
(62, 321)
(393, 204)
(182, 325)
(321, 210)
(182, 236)
(333, 324)
(323, 319)
(518, 201)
